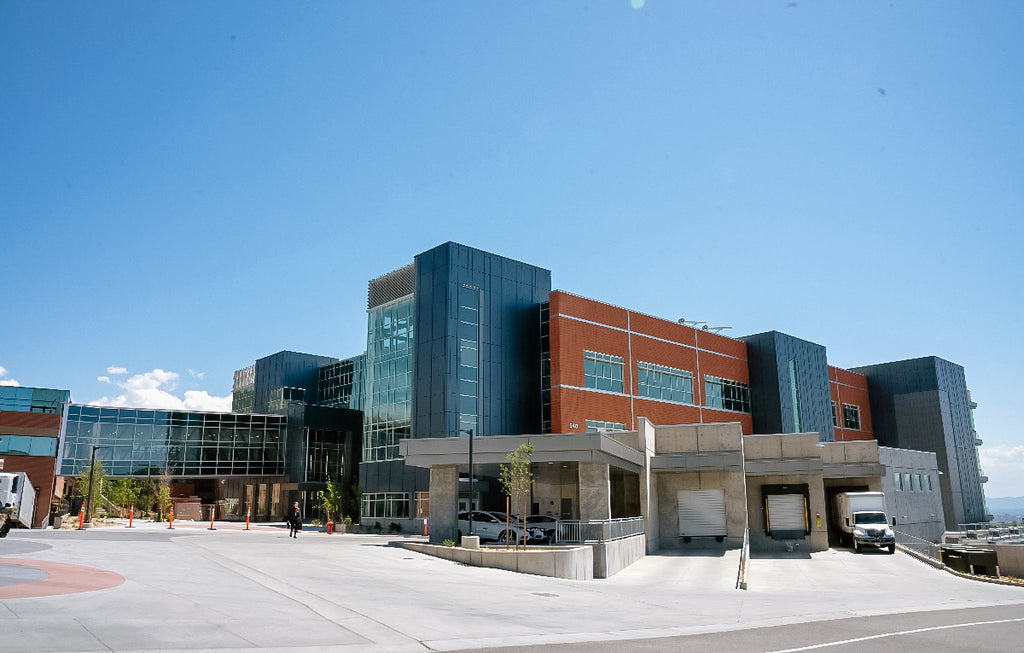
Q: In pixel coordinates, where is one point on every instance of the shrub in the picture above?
(348, 521)
(448, 543)
(377, 528)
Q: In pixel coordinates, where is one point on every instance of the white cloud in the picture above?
(117, 370)
(103, 379)
(1004, 466)
(155, 390)
(7, 382)
(198, 375)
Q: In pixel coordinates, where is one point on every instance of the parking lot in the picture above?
(195, 589)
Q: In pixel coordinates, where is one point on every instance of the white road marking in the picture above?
(896, 634)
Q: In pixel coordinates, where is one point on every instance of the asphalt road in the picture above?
(150, 589)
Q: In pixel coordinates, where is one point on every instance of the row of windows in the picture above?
(103, 415)
(667, 383)
(912, 482)
(851, 416)
(26, 445)
(596, 426)
(605, 372)
(385, 504)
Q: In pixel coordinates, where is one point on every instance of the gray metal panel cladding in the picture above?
(768, 356)
(509, 344)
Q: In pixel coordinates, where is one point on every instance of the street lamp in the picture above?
(469, 432)
(92, 472)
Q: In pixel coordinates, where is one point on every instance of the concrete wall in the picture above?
(612, 557)
(1011, 559)
(569, 563)
(918, 512)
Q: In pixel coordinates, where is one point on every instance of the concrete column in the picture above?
(595, 492)
(444, 504)
(649, 486)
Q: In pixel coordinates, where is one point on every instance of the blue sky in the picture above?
(186, 187)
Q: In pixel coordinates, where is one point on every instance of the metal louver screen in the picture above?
(786, 513)
(391, 286)
(701, 513)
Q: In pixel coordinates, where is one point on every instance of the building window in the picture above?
(851, 417)
(469, 357)
(602, 371)
(917, 482)
(726, 394)
(387, 411)
(385, 504)
(896, 481)
(422, 505)
(794, 397)
(835, 416)
(906, 481)
(666, 383)
(595, 426)
(27, 445)
(927, 482)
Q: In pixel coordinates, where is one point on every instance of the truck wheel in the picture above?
(892, 549)
(856, 547)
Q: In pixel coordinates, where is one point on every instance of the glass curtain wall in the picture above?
(387, 414)
(133, 442)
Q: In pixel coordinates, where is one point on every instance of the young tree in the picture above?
(123, 492)
(163, 496)
(331, 499)
(516, 479)
(98, 476)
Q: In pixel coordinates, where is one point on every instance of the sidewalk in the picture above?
(195, 589)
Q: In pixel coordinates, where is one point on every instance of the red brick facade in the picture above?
(578, 325)
(851, 389)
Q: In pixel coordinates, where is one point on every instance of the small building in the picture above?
(30, 420)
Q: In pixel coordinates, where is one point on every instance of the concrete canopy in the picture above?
(548, 447)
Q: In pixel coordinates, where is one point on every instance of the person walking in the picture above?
(294, 520)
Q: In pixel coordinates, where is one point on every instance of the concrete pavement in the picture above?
(194, 589)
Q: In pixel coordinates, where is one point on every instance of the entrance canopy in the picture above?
(605, 448)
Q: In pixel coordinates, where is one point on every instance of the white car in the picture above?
(492, 526)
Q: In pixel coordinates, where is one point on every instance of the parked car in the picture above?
(490, 525)
(546, 523)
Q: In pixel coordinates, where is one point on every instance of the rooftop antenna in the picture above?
(691, 323)
(716, 329)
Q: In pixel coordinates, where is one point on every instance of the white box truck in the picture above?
(863, 522)
(17, 499)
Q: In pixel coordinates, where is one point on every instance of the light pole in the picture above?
(92, 472)
(469, 432)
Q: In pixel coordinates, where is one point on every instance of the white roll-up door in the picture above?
(701, 513)
(786, 512)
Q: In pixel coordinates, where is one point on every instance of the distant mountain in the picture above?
(1005, 508)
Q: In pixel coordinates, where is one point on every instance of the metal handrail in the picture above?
(574, 531)
(922, 547)
(741, 575)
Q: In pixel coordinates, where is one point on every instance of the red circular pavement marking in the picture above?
(61, 579)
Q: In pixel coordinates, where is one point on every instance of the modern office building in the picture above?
(453, 347)
(463, 341)
(924, 404)
(29, 431)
